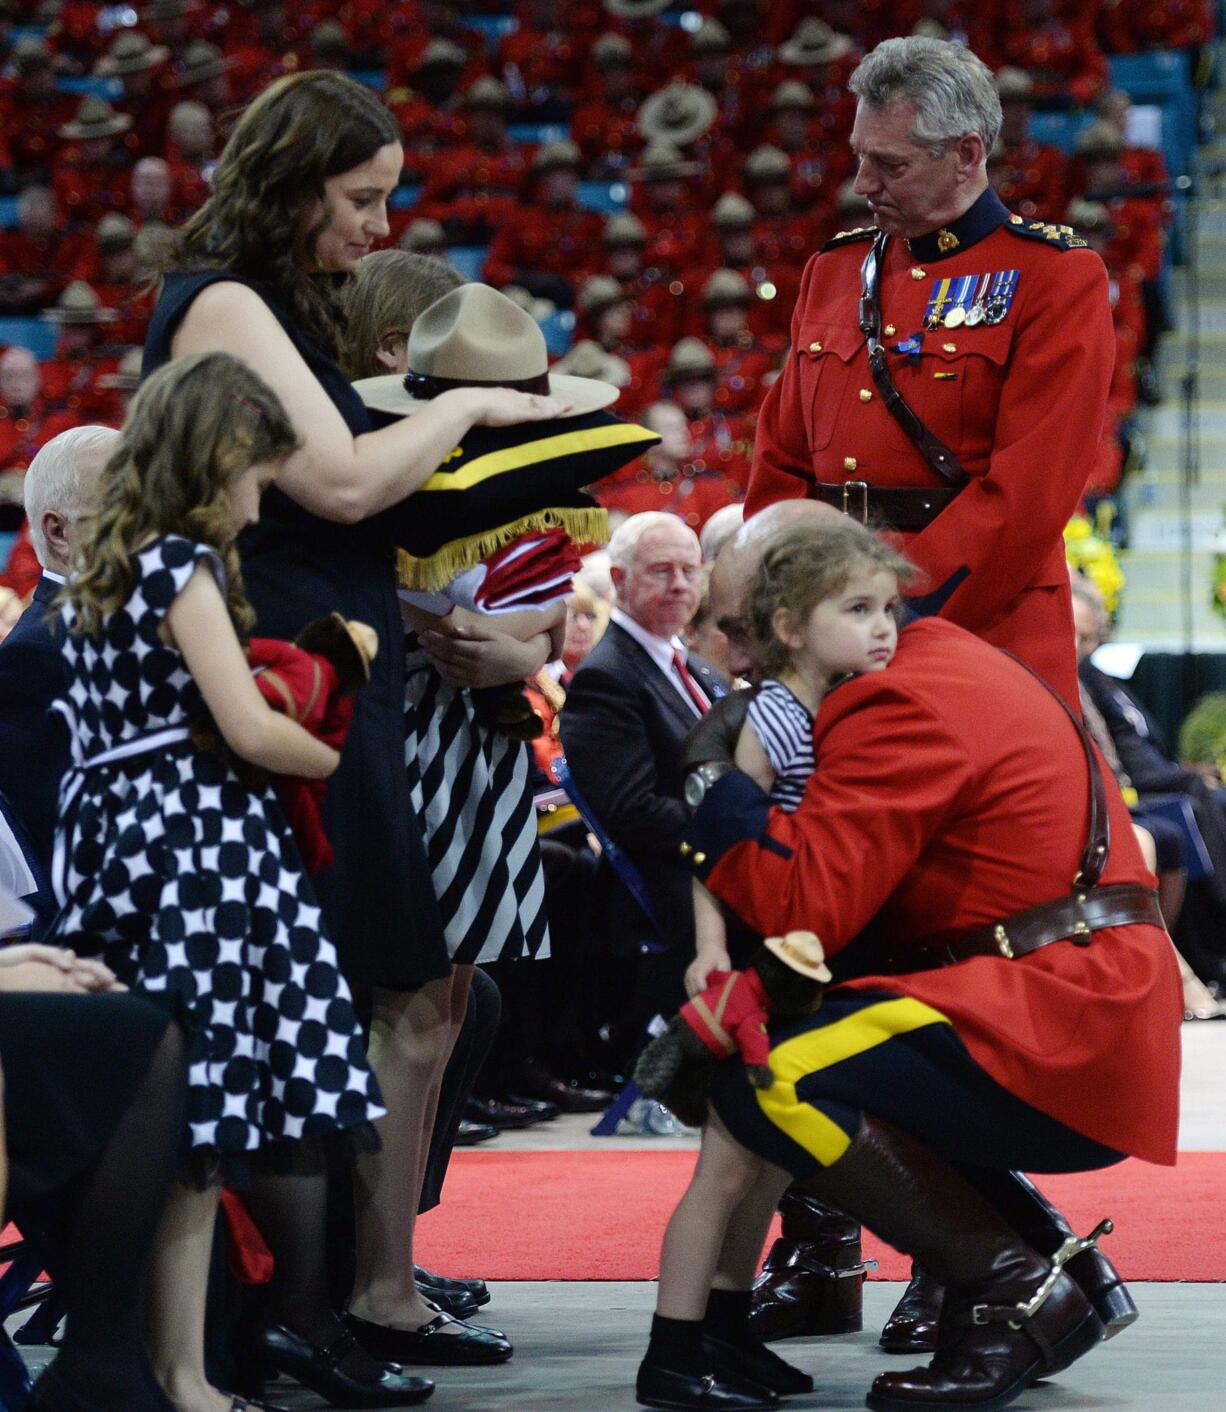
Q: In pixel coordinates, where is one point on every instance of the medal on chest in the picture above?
(972, 299)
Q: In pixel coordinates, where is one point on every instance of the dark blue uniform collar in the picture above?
(986, 215)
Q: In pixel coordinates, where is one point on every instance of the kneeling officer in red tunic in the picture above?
(1006, 996)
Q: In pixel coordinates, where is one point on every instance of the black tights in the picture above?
(101, 1246)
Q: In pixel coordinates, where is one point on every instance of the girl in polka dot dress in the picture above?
(184, 880)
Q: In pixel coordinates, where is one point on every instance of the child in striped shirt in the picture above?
(823, 606)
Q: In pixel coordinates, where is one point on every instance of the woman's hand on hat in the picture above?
(484, 656)
(503, 407)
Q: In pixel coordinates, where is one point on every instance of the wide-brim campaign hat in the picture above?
(95, 119)
(79, 304)
(803, 952)
(636, 9)
(661, 161)
(499, 483)
(201, 62)
(475, 336)
(813, 42)
(678, 114)
(131, 53)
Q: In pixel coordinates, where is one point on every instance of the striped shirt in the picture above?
(785, 728)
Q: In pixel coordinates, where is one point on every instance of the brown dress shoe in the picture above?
(914, 1325)
(1030, 1321)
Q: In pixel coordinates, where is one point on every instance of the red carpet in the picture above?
(600, 1215)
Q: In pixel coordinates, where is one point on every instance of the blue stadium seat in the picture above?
(493, 27)
(559, 331)
(538, 132)
(35, 334)
(372, 78)
(605, 197)
(108, 89)
(1058, 129)
(8, 213)
(404, 197)
(469, 260)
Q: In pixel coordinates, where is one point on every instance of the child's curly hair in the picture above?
(192, 429)
(804, 565)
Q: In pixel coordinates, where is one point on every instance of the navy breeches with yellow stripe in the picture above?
(900, 1060)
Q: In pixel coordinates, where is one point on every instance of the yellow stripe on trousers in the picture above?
(793, 1059)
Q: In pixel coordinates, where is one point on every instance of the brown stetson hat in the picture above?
(486, 92)
(126, 377)
(201, 61)
(791, 93)
(803, 952)
(1013, 83)
(679, 113)
(636, 9)
(114, 231)
(731, 211)
(79, 304)
(1097, 140)
(95, 119)
(661, 161)
(624, 228)
(476, 337)
(598, 293)
(813, 41)
(690, 358)
(726, 288)
(423, 234)
(612, 51)
(130, 53)
(587, 359)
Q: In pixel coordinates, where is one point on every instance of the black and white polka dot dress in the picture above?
(188, 884)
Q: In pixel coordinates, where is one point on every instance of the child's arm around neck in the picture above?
(199, 625)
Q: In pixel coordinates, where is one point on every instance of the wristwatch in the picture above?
(702, 777)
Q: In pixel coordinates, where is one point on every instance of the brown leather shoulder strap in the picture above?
(930, 446)
(1098, 845)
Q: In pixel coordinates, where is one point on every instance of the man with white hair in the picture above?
(628, 709)
(58, 488)
(950, 364)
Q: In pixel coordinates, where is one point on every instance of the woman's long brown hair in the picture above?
(301, 130)
(194, 427)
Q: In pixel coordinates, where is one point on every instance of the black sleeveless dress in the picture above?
(378, 897)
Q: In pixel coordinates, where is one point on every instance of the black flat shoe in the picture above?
(507, 1116)
(456, 1302)
(661, 1387)
(432, 1345)
(533, 1080)
(758, 1364)
(478, 1290)
(542, 1110)
(319, 1368)
(469, 1134)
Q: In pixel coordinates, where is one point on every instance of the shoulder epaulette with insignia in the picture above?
(849, 237)
(1059, 236)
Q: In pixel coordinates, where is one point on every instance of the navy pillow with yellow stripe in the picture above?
(501, 483)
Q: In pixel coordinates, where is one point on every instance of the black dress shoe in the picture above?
(543, 1110)
(432, 1345)
(319, 1368)
(470, 1134)
(508, 1116)
(428, 1282)
(758, 1363)
(456, 1302)
(661, 1387)
(535, 1081)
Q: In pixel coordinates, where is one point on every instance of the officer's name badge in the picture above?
(970, 299)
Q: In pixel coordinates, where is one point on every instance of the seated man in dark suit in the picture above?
(33, 742)
(628, 709)
(1154, 774)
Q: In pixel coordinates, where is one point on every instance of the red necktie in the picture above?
(687, 681)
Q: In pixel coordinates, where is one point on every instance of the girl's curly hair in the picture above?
(301, 130)
(801, 566)
(194, 427)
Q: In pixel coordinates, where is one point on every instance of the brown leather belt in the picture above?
(1074, 918)
(886, 507)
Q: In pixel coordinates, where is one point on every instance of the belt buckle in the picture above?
(861, 487)
(1003, 944)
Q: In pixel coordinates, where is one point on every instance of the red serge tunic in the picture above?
(1019, 397)
(951, 791)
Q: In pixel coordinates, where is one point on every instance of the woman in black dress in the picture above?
(299, 196)
(93, 1103)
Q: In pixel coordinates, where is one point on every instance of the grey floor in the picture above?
(578, 1345)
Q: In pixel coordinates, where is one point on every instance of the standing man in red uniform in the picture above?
(996, 330)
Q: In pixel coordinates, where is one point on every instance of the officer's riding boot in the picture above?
(1010, 1316)
(1040, 1225)
(813, 1278)
(912, 1327)
(915, 1322)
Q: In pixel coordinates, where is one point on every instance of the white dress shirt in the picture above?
(660, 650)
